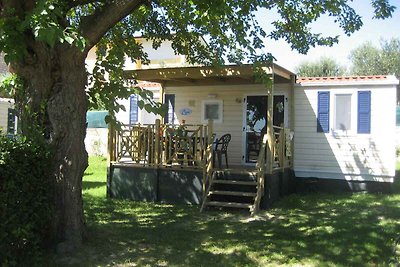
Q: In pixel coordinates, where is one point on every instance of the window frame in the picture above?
(353, 109)
(204, 103)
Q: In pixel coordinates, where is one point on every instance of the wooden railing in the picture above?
(160, 144)
(281, 151)
(260, 176)
(208, 168)
(282, 155)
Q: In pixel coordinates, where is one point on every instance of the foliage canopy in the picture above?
(368, 59)
(323, 67)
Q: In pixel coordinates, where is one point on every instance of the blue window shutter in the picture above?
(170, 102)
(323, 112)
(364, 112)
(134, 110)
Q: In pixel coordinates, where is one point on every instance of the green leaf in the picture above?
(107, 119)
(148, 108)
(48, 35)
(69, 39)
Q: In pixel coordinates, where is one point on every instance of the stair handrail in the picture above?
(260, 175)
(208, 168)
(207, 173)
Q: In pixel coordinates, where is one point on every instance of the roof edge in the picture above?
(348, 80)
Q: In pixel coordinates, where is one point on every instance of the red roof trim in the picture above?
(148, 84)
(341, 79)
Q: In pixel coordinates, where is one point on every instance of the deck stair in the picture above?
(231, 189)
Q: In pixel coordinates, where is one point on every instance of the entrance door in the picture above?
(256, 121)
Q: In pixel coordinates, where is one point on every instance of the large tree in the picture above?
(322, 67)
(46, 43)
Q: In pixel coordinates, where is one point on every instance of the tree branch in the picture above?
(75, 3)
(93, 27)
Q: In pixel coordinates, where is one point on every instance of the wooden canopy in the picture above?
(200, 75)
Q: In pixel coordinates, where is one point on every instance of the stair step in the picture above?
(229, 204)
(236, 175)
(238, 172)
(232, 193)
(235, 182)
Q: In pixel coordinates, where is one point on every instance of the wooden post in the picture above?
(270, 130)
(157, 142)
(110, 156)
(210, 131)
(210, 143)
(150, 145)
(162, 97)
(208, 166)
(292, 114)
(282, 160)
(111, 144)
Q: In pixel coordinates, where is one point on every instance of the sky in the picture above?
(373, 31)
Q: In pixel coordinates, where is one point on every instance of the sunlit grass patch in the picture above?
(95, 179)
(307, 230)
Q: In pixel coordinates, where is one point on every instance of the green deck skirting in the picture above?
(156, 184)
(179, 186)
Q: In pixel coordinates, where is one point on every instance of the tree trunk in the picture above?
(56, 80)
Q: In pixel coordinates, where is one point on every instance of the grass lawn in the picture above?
(311, 230)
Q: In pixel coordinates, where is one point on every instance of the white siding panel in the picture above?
(4, 106)
(335, 155)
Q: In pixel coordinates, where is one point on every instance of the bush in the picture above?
(25, 211)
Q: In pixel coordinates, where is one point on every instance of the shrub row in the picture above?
(25, 209)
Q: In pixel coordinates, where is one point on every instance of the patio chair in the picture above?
(221, 148)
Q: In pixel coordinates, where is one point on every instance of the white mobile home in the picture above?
(8, 121)
(337, 131)
(345, 128)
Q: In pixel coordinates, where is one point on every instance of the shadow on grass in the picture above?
(86, 185)
(309, 230)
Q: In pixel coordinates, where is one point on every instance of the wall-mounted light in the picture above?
(238, 100)
(212, 95)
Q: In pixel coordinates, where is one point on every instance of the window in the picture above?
(170, 116)
(349, 112)
(212, 109)
(342, 113)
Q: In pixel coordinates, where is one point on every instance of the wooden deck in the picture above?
(189, 147)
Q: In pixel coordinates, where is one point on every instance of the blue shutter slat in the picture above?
(134, 110)
(323, 112)
(364, 112)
